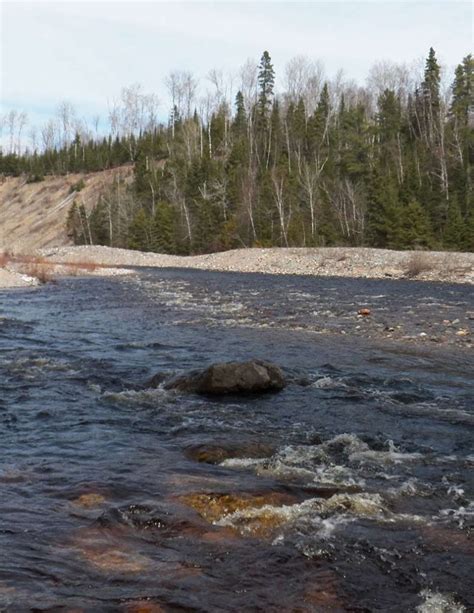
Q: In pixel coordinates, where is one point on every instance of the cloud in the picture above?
(85, 52)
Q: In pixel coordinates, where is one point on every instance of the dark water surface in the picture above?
(352, 492)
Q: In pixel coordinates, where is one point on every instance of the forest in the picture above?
(323, 162)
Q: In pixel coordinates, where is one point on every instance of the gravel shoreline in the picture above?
(449, 267)
(10, 278)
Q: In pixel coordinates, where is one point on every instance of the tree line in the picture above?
(323, 163)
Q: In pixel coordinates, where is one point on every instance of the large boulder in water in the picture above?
(252, 377)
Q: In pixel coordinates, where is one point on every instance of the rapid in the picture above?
(350, 490)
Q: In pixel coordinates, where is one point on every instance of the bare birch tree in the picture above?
(304, 79)
(348, 205)
(309, 180)
(279, 197)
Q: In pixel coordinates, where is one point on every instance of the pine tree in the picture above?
(455, 227)
(431, 95)
(318, 128)
(239, 126)
(415, 227)
(383, 212)
(163, 229)
(276, 135)
(98, 224)
(140, 232)
(460, 102)
(266, 82)
(468, 234)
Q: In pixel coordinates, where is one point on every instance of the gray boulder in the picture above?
(252, 377)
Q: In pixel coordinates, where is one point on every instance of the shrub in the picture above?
(418, 263)
(4, 258)
(35, 178)
(42, 272)
(77, 187)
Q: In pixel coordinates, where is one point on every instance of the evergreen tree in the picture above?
(140, 232)
(399, 175)
(430, 93)
(163, 230)
(415, 227)
(455, 227)
(239, 126)
(266, 82)
(383, 221)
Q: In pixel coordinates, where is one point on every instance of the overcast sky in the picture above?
(85, 52)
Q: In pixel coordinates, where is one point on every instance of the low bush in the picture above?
(42, 272)
(35, 178)
(4, 258)
(77, 187)
(418, 263)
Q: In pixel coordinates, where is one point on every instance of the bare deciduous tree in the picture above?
(348, 204)
(182, 87)
(249, 84)
(15, 122)
(249, 192)
(309, 180)
(66, 118)
(284, 210)
(304, 80)
(49, 135)
(133, 114)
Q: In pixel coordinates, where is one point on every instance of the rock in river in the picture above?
(254, 376)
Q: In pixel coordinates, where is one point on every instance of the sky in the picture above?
(85, 52)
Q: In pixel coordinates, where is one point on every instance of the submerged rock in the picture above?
(215, 506)
(215, 454)
(143, 606)
(117, 561)
(137, 516)
(254, 376)
(89, 500)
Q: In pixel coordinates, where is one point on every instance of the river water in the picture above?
(351, 490)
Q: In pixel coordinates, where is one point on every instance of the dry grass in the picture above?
(86, 266)
(5, 257)
(453, 265)
(74, 269)
(42, 271)
(418, 263)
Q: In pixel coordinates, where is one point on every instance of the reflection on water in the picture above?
(351, 490)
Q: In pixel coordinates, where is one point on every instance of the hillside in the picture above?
(33, 215)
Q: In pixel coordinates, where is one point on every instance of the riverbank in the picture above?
(366, 263)
(11, 278)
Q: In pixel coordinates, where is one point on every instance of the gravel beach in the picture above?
(449, 267)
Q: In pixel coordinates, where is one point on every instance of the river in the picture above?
(351, 490)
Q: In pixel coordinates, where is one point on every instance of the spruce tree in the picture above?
(383, 212)
(415, 228)
(140, 232)
(239, 125)
(455, 227)
(430, 87)
(164, 229)
(266, 82)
